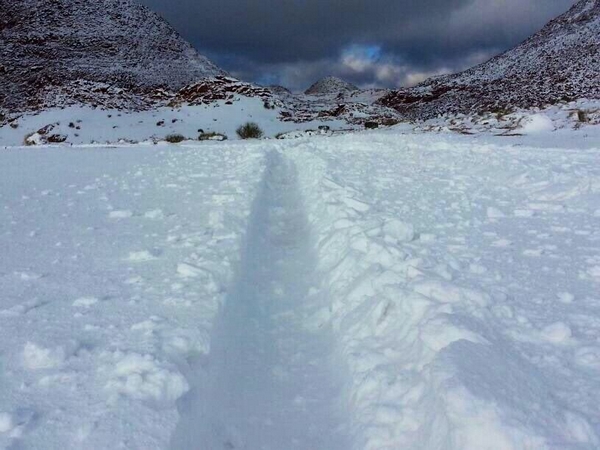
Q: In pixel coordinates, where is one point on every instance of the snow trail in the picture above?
(444, 287)
(271, 381)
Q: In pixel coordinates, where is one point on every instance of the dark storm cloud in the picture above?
(375, 42)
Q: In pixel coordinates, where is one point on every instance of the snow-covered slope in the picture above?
(82, 125)
(97, 52)
(354, 107)
(218, 104)
(559, 63)
(365, 292)
(330, 86)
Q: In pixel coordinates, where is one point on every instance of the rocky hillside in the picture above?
(113, 53)
(330, 86)
(211, 90)
(560, 62)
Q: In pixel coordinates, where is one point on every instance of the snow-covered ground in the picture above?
(562, 119)
(85, 125)
(385, 290)
(79, 125)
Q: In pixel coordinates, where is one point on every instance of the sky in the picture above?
(371, 43)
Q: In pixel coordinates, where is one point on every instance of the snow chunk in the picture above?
(594, 272)
(6, 422)
(524, 213)
(398, 231)
(427, 238)
(142, 377)
(28, 276)
(501, 243)
(556, 333)
(356, 204)
(187, 270)
(154, 214)
(34, 139)
(494, 213)
(537, 123)
(36, 357)
(85, 302)
(124, 214)
(141, 256)
(565, 297)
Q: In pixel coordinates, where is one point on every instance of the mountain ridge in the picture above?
(559, 62)
(110, 52)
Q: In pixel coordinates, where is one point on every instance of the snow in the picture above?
(86, 125)
(120, 214)
(141, 377)
(85, 302)
(537, 123)
(556, 333)
(36, 357)
(391, 289)
(6, 422)
(398, 231)
(559, 121)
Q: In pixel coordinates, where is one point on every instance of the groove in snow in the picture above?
(271, 380)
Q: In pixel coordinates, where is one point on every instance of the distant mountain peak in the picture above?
(330, 85)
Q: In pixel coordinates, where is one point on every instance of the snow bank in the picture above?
(430, 366)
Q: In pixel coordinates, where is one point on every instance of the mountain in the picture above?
(560, 62)
(329, 86)
(107, 52)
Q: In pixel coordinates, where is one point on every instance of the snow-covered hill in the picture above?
(96, 52)
(330, 86)
(559, 63)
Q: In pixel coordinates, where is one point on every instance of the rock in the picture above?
(56, 138)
